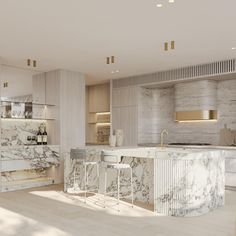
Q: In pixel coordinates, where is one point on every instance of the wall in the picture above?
(13, 76)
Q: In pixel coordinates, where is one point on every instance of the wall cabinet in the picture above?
(39, 88)
(99, 98)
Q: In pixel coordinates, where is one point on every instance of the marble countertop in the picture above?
(192, 146)
(155, 152)
(25, 146)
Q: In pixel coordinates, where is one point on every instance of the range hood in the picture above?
(191, 116)
(196, 101)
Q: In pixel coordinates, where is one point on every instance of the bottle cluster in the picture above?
(42, 136)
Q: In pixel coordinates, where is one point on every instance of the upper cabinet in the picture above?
(99, 98)
(39, 88)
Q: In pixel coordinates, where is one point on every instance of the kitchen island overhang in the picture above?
(178, 182)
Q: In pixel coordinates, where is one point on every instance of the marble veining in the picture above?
(178, 182)
(193, 186)
(29, 157)
(15, 132)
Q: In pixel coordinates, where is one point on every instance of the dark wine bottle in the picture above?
(45, 136)
(39, 137)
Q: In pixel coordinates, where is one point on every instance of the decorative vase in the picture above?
(119, 133)
(112, 140)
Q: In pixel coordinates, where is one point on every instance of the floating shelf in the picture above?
(2, 118)
(28, 103)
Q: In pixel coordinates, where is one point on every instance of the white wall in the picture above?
(19, 81)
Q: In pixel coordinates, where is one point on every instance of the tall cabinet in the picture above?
(125, 112)
(98, 114)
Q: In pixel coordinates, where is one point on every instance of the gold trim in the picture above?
(112, 59)
(203, 115)
(166, 46)
(172, 45)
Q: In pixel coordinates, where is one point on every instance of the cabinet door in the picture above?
(99, 98)
(39, 88)
(52, 88)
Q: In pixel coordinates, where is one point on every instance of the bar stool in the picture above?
(80, 156)
(111, 160)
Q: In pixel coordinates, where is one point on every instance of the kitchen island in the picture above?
(175, 181)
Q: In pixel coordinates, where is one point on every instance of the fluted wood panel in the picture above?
(125, 113)
(72, 109)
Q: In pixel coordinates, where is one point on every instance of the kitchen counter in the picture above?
(190, 146)
(178, 182)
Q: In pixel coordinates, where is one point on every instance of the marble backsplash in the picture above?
(156, 110)
(15, 132)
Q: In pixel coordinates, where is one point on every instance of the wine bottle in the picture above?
(39, 137)
(45, 136)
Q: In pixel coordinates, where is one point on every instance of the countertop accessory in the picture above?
(119, 133)
(112, 140)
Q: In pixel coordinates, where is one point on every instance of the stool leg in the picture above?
(118, 189)
(98, 179)
(85, 183)
(105, 187)
(74, 177)
(132, 190)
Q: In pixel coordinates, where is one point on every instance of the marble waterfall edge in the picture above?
(178, 183)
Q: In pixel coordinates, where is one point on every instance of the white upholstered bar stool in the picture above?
(79, 155)
(111, 160)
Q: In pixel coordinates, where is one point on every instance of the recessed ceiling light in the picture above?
(117, 71)
(171, 1)
(112, 72)
(233, 48)
(159, 5)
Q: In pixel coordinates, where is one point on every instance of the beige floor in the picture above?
(48, 211)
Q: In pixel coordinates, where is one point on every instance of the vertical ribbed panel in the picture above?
(170, 192)
(211, 69)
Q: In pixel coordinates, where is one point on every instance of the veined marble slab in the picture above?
(178, 182)
(15, 132)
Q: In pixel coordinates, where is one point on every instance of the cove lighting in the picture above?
(103, 113)
(103, 124)
(195, 121)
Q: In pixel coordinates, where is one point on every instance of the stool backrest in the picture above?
(109, 156)
(78, 154)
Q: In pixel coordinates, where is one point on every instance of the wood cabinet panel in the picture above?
(99, 98)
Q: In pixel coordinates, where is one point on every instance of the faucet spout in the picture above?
(163, 133)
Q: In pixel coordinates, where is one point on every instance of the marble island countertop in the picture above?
(190, 146)
(156, 152)
(177, 181)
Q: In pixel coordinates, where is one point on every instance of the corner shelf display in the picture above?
(100, 123)
(24, 110)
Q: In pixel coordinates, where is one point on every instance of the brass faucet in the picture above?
(163, 132)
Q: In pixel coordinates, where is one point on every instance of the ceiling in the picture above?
(78, 35)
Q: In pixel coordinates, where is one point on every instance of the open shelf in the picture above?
(28, 103)
(2, 118)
